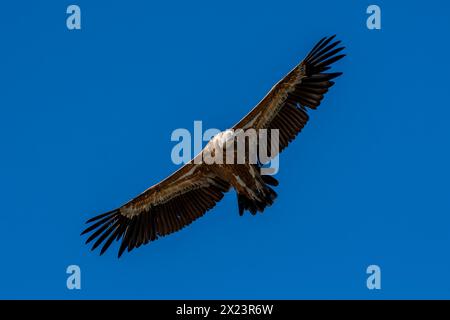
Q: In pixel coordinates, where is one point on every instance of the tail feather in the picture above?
(270, 180)
(265, 199)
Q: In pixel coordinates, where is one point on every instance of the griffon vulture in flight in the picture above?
(195, 188)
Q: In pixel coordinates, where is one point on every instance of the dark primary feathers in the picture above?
(285, 106)
(192, 190)
(199, 194)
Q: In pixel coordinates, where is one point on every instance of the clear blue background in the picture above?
(85, 124)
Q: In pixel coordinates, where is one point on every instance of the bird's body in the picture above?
(197, 186)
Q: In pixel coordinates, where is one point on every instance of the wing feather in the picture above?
(285, 106)
(161, 210)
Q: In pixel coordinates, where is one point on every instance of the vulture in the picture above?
(196, 187)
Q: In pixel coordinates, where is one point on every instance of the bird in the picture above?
(197, 187)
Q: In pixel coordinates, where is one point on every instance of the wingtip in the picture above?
(102, 215)
(330, 38)
(95, 245)
(322, 39)
(95, 218)
(121, 249)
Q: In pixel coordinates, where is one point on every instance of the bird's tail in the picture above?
(261, 198)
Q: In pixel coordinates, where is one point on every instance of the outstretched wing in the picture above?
(194, 189)
(160, 210)
(284, 107)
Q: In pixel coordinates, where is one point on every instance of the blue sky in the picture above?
(86, 119)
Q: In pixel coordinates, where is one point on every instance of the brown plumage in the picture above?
(196, 188)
